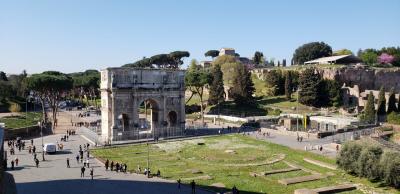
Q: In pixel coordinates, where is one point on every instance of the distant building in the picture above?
(340, 59)
(227, 51)
(331, 123)
(206, 64)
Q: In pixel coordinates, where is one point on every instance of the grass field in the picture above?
(21, 120)
(229, 160)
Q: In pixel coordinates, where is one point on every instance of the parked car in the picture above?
(50, 148)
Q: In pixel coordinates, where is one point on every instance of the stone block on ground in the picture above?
(281, 171)
(300, 179)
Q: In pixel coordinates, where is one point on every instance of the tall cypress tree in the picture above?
(381, 111)
(392, 102)
(369, 110)
(243, 89)
(217, 86)
(288, 85)
(309, 83)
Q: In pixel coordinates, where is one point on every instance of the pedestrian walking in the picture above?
(12, 164)
(34, 149)
(83, 171)
(87, 154)
(68, 163)
(77, 158)
(117, 167)
(112, 165)
(193, 186)
(91, 173)
(87, 162)
(106, 164)
(37, 163)
(32, 142)
(16, 161)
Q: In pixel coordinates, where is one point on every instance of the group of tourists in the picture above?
(118, 167)
(80, 159)
(300, 138)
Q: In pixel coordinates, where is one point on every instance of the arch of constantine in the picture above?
(142, 103)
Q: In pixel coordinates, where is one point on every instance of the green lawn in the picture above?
(21, 120)
(209, 156)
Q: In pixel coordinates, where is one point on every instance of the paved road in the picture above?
(53, 176)
(291, 141)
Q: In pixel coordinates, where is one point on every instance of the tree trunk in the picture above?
(190, 97)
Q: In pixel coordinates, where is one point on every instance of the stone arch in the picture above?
(172, 119)
(152, 109)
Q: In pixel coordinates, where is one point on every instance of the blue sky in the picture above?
(74, 35)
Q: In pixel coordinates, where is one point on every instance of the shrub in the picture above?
(393, 118)
(14, 107)
(390, 164)
(368, 163)
(348, 157)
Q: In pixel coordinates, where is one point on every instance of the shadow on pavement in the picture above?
(104, 186)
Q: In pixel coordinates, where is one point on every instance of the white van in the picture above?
(50, 148)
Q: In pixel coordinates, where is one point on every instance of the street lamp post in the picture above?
(297, 110)
(41, 134)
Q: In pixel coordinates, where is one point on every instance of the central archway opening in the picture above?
(148, 116)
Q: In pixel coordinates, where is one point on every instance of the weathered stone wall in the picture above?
(365, 78)
(371, 79)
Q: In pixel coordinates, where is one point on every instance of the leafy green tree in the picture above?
(3, 76)
(392, 102)
(51, 87)
(243, 91)
(257, 57)
(224, 59)
(368, 163)
(329, 93)
(176, 58)
(342, 52)
(369, 56)
(143, 63)
(229, 72)
(309, 83)
(196, 80)
(348, 157)
(393, 118)
(288, 85)
(6, 90)
(311, 51)
(390, 164)
(275, 80)
(212, 53)
(381, 111)
(217, 86)
(86, 85)
(369, 110)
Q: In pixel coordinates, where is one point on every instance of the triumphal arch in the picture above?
(142, 103)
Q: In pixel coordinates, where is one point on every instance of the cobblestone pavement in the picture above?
(53, 176)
